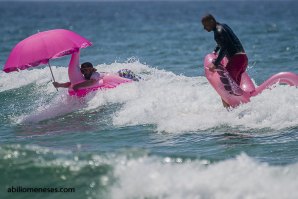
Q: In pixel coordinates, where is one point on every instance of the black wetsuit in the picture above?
(227, 42)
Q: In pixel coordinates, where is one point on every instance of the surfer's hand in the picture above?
(56, 84)
(212, 67)
(75, 87)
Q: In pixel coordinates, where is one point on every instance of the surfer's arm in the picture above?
(216, 62)
(221, 55)
(62, 85)
(216, 49)
(84, 84)
(222, 43)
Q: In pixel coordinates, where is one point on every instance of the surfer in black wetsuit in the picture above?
(228, 46)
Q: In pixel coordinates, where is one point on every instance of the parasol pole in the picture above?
(52, 73)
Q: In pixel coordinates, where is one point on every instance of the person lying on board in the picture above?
(91, 77)
(228, 46)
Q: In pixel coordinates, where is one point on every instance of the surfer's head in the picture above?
(86, 65)
(87, 69)
(208, 22)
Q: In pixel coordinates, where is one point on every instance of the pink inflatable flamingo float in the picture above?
(75, 76)
(235, 95)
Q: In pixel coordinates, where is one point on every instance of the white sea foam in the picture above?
(60, 105)
(182, 104)
(25, 77)
(172, 103)
(242, 177)
(141, 176)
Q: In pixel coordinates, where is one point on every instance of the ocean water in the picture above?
(166, 136)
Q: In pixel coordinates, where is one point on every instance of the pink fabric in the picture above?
(43, 46)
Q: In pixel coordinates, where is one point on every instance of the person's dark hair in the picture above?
(86, 65)
(208, 17)
(83, 68)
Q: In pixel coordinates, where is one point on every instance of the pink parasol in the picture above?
(43, 46)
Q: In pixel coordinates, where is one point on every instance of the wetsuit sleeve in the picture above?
(216, 49)
(220, 56)
(222, 43)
